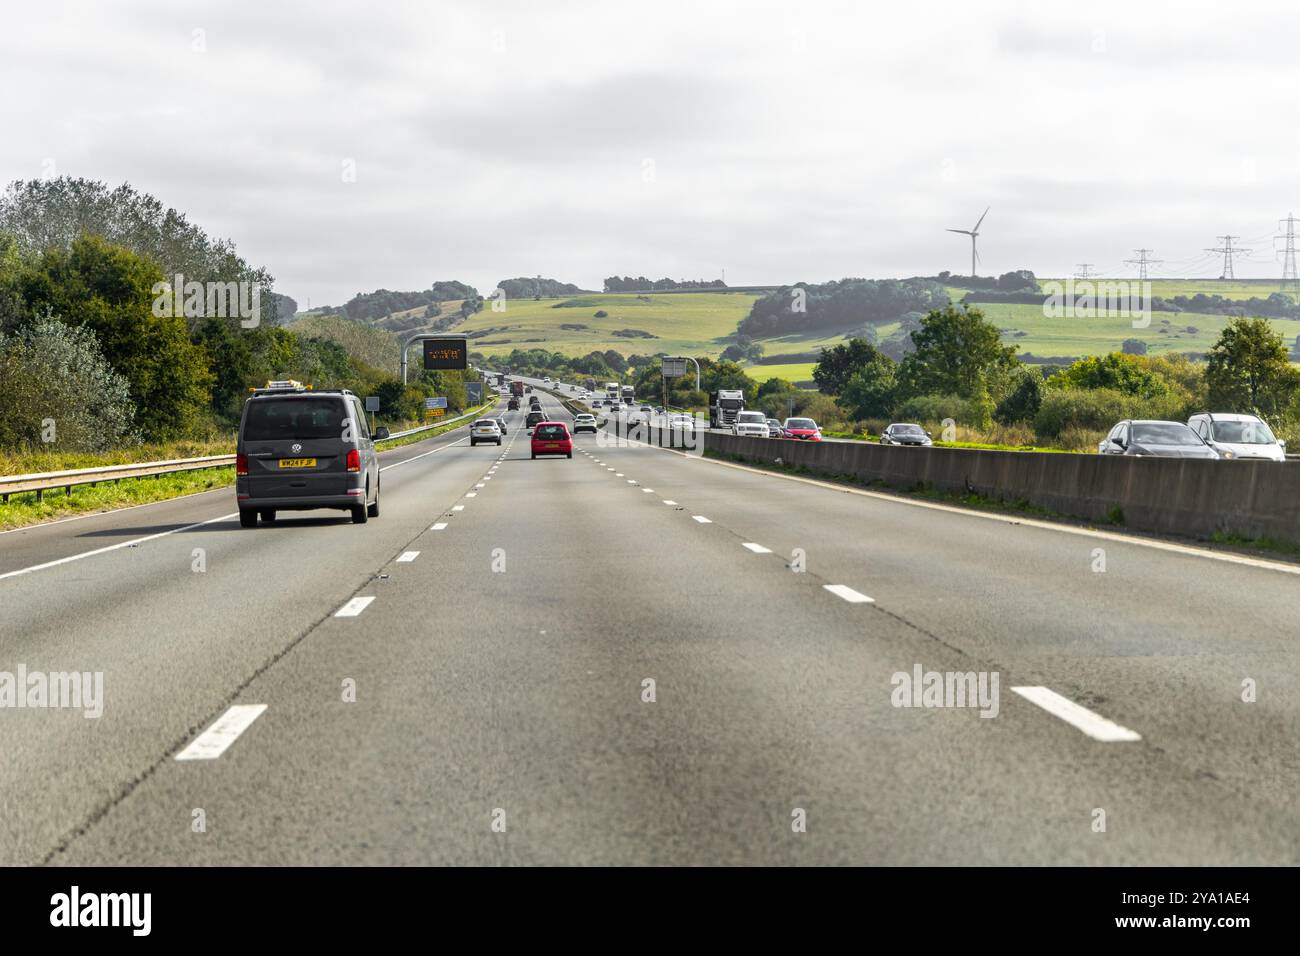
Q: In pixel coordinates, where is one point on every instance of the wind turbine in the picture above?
(974, 256)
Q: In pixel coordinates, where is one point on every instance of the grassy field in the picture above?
(699, 324)
(694, 324)
(800, 372)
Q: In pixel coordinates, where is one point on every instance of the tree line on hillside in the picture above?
(959, 369)
(806, 307)
(536, 288)
(369, 306)
(642, 284)
(92, 356)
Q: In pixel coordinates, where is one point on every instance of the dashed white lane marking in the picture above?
(216, 740)
(471, 494)
(480, 485)
(354, 607)
(701, 519)
(407, 557)
(631, 481)
(757, 548)
(441, 525)
(648, 491)
(609, 469)
(617, 474)
(457, 507)
(1081, 718)
(850, 595)
(667, 502)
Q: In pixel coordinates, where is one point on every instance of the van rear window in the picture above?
(283, 418)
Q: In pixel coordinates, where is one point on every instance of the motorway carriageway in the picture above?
(500, 623)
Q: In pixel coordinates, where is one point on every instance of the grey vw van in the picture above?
(300, 449)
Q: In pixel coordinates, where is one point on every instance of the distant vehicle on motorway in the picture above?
(774, 429)
(485, 430)
(534, 416)
(1154, 439)
(584, 423)
(804, 429)
(724, 405)
(750, 424)
(613, 407)
(682, 422)
(552, 438)
(512, 405)
(501, 421)
(905, 433)
(1237, 437)
(299, 449)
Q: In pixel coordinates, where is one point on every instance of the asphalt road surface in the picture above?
(639, 657)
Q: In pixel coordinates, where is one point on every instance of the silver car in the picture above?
(1237, 437)
(485, 429)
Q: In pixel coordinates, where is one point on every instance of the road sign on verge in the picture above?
(438, 402)
(674, 367)
(372, 403)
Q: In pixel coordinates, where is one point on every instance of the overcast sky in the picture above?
(780, 142)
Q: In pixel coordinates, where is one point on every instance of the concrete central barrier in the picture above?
(1182, 496)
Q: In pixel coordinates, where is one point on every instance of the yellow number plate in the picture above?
(297, 462)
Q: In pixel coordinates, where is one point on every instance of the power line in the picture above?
(1084, 270)
(1228, 250)
(1142, 261)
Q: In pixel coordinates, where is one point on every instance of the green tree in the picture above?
(1023, 402)
(1247, 370)
(956, 352)
(109, 290)
(872, 390)
(841, 363)
(1131, 374)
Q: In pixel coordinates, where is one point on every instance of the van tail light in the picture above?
(241, 466)
(354, 460)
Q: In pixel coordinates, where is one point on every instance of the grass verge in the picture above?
(23, 510)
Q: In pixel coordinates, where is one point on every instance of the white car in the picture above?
(1238, 436)
(584, 423)
(681, 422)
(485, 429)
(751, 425)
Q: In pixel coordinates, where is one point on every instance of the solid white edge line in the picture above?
(1081, 718)
(225, 730)
(114, 547)
(407, 557)
(848, 594)
(354, 607)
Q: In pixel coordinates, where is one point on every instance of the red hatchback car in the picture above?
(552, 438)
(803, 429)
